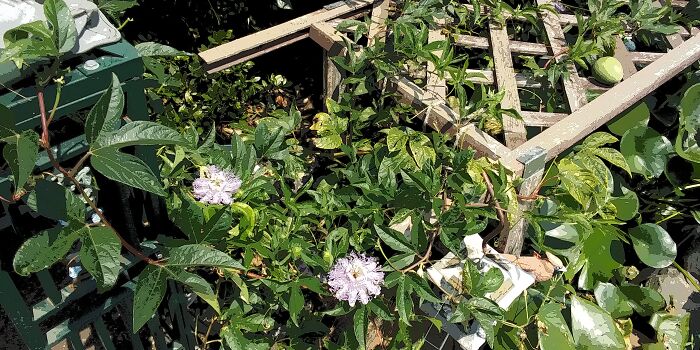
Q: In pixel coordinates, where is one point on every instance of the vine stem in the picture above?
(45, 143)
(435, 234)
(502, 219)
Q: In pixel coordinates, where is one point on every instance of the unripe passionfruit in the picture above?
(607, 70)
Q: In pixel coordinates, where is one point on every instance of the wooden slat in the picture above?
(377, 27)
(436, 87)
(589, 84)
(486, 77)
(645, 57)
(576, 126)
(513, 129)
(254, 45)
(575, 94)
(332, 43)
(543, 119)
(515, 46)
(622, 55)
(327, 37)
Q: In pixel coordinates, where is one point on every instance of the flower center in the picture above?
(356, 271)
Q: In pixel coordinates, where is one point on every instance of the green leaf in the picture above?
(7, 123)
(646, 151)
(189, 217)
(100, 253)
(421, 287)
(216, 227)
(360, 320)
(396, 139)
(404, 304)
(246, 222)
(148, 294)
(296, 302)
(198, 285)
(487, 312)
(394, 239)
(671, 330)
(21, 155)
(653, 245)
(55, 202)
(601, 253)
(244, 157)
(471, 276)
(200, 255)
(139, 133)
(61, 21)
(28, 42)
(597, 139)
(46, 248)
(687, 145)
(329, 128)
(421, 149)
(614, 157)
(106, 113)
(268, 140)
(644, 300)
(490, 281)
(626, 202)
(552, 330)
(579, 182)
(115, 8)
(637, 115)
(593, 328)
(151, 49)
(126, 169)
(234, 339)
(611, 299)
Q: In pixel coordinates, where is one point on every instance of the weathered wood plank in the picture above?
(436, 87)
(622, 55)
(332, 43)
(543, 119)
(513, 129)
(264, 41)
(582, 122)
(511, 242)
(523, 47)
(645, 57)
(377, 27)
(327, 37)
(575, 94)
(486, 77)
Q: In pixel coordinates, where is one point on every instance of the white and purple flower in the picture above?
(215, 186)
(356, 277)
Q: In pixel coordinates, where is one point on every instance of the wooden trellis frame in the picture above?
(524, 157)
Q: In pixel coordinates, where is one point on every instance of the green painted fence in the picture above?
(66, 310)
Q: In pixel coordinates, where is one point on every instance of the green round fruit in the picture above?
(607, 70)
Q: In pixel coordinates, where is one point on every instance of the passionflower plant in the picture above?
(356, 277)
(215, 186)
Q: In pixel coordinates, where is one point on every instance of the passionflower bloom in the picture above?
(356, 277)
(215, 186)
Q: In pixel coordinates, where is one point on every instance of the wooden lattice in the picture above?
(524, 157)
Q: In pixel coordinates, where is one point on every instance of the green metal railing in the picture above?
(68, 310)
